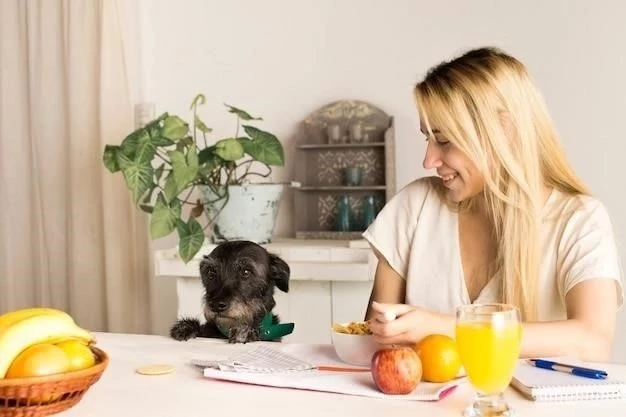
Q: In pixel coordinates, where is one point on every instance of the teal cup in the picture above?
(353, 176)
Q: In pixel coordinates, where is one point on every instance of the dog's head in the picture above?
(239, 279)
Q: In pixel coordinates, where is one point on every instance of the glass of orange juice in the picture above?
(488, 337)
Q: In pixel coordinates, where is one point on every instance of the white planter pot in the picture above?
(248, 214)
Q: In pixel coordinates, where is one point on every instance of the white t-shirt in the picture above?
(417, 233)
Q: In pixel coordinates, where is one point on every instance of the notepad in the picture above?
(545, 385)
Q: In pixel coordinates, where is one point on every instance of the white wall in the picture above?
(283, 59)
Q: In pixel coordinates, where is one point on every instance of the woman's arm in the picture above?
(587, 333)
(589, 329)
(389, 286)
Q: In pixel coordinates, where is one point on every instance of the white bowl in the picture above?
(354, 349)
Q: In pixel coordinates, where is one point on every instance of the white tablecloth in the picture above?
(186, 393)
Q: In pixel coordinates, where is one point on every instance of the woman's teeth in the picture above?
(448, 178)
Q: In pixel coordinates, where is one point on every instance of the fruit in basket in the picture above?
(38, 329)
(440, 358)
(39, 360)
(396, 370)
(78, 353)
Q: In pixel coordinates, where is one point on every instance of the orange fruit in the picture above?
(78, 353)
(39, 360)
(440, 358)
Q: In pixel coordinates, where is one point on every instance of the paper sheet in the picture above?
(349, 383)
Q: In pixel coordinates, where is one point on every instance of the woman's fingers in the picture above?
(399, 339)
(389, 312)
(383, 328)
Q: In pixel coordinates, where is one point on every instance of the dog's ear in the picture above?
(279, 273)
(205, 270)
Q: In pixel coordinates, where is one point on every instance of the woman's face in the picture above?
(460, 175)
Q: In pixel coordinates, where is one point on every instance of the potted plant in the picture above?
(164, 162)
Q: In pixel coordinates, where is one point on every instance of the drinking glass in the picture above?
(353, 176)
(488, 337)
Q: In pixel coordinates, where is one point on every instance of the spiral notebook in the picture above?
(545, 385)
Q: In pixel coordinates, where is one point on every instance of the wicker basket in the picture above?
(52, 394)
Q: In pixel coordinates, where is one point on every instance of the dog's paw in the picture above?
(243, 334)
(185, 329)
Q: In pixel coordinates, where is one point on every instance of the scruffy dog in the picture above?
(239, 279)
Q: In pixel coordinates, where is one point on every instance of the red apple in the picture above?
(396, 370)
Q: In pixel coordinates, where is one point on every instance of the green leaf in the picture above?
(229, 149)
(155, 131)
(207, 155)
(138, 176)
(156, 123)
(147, 208)
(170, 189)
(159, 140)
(264, 146)
(174, 128)
(201, 126)
(190, 238)
(148, 197)
(164, 217)
(208, 168)
(109, 158)
(129, 145)
(185, 168)
(158, 172)
(185, 143)
(123, 161)
(208, 162)
(243, 115)
(199, 99)
(145, 150)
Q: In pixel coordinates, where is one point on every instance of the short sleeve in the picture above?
(391, 233)
(588, 250)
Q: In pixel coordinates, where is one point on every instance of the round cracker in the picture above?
(157, 369)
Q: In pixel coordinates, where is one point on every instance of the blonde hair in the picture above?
(486, 104)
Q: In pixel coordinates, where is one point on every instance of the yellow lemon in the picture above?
(79, 354)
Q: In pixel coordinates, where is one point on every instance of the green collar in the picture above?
(268, 331)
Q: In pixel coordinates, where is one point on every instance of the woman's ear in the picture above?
(279, 273)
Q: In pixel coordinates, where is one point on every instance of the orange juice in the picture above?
(489, 353)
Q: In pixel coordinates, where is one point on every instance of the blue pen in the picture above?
(570, 369)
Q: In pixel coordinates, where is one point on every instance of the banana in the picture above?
(37, 329)
(12, 317)
(62, 339)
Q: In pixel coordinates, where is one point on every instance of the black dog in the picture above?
(238, 279)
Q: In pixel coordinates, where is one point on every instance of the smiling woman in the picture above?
(506, 220)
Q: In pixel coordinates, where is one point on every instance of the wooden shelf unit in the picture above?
(320, 167)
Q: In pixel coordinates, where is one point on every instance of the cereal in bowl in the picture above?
(354, 327)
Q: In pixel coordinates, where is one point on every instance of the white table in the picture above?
(185, 393)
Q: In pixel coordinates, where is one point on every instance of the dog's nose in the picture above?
(220, 306)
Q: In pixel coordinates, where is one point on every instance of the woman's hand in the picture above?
(410, 326)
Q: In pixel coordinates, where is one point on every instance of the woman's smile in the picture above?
(448, 178)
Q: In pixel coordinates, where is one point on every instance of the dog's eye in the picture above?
(246, 273)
